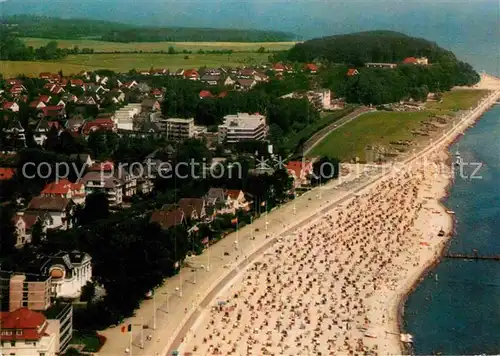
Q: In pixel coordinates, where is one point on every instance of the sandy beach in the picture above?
(330, 287)
(323, 275)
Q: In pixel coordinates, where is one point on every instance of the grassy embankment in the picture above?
(383, 127)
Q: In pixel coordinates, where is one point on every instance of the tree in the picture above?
(8, 235)
(37, 233)
(96, 208)
(324, 170)
(88, 292)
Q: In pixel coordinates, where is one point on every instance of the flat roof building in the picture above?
(242, 127)
(180, 129)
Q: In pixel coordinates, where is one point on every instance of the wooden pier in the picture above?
(474, 256)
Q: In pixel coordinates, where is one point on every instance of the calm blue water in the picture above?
(460, 313)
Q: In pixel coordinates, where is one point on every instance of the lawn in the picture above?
(90, 340)
(124, 62)
(294, 140)
(103, 46)
(374, 129)
(459, 99)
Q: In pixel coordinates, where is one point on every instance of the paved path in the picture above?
(323, 133)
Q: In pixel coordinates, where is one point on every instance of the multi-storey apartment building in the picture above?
(179, 129)
(242, 127)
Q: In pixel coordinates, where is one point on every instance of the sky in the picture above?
(471, 28)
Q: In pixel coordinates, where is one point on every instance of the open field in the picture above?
(33, 69)
(376, 128)
(103, 46)
(125, 62)
(461, 99)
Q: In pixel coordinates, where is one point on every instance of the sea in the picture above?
(455, 310)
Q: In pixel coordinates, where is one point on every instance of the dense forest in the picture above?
(364, 47)
(377, 85)
(72, 29)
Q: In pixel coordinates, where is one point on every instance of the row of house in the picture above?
(216, 201)
(422, 61)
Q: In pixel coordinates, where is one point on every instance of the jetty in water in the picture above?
(473, 256)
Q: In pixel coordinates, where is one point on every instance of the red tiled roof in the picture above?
(45, 75)
(278, 66)
(102, 166)
(222, 94)
(232, 193)
(205, 94)
(62, 187)
(410, 60)
(98, 124)
(18, 88)
(351, 72)
(78, 82)
(167, 219)
(312, 67)
(187, 205)
(35, 103)
(298, 168)
(52, 110)
(6, 173)
(27, 320)
(190, 73)
(44, 98)
(13, 81)
(7, 104)
(56, 89)
(48, 203)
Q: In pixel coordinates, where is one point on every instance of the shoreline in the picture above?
(450, 234)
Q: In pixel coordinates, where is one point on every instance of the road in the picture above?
(323, 133)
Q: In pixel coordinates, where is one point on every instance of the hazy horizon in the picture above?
(469, 28)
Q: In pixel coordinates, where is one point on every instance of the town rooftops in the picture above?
(189, 204)
(299, 169)
(410, 60)
(62, 187)
(233, 193)
(109, 182)
(205, 94)
(243, 120)
(180, 120)
(168, 218)
(48, 203)
(6, 173)
(31, 325)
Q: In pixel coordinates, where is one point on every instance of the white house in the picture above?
(69, 273)
(60, 210)
(104, 183)
(124, 117)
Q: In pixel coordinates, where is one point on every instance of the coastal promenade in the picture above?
(199, 286)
